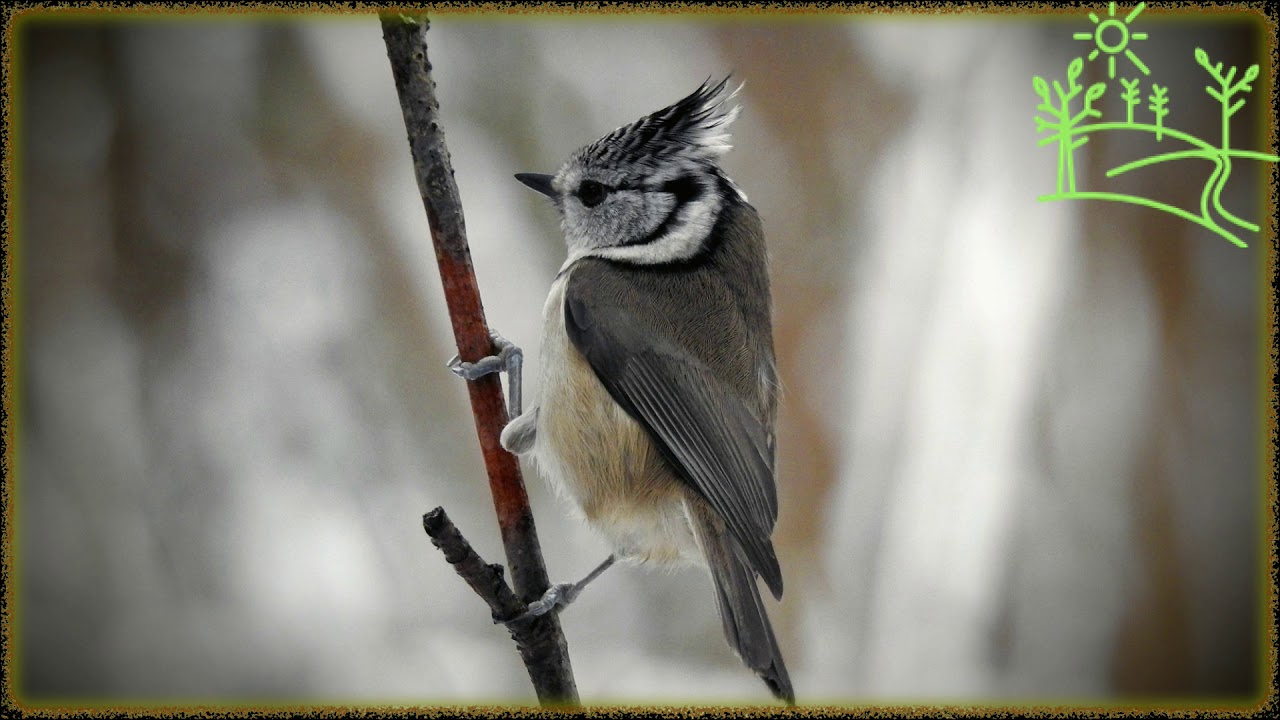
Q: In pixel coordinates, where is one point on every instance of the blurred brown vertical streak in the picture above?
(811, 250)
(1155, 652)
(406, 41)
(1151, 651)
(152, 273)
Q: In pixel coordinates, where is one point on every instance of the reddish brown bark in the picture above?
(542, 643)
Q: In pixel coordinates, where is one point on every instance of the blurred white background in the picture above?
(1020, 445)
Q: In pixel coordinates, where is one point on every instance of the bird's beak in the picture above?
(539, 182)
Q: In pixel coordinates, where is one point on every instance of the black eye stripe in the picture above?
(685, 188)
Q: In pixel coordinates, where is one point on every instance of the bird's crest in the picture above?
(694, 128)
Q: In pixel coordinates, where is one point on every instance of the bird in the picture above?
(659, 391)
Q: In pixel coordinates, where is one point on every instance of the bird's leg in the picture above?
(559, 596)
(509, 359)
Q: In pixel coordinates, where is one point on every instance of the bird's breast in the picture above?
(601, 459)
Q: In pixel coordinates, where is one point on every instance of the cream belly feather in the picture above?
(602, 460)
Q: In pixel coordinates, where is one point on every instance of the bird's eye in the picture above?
(592, 193)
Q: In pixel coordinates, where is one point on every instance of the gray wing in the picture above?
(709, 435)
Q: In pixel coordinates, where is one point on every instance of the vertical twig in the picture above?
(544, 649)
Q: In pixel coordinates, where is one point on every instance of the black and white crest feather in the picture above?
(693, 128)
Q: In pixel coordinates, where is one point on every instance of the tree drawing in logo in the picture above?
(1070, 131)
(1065, 121)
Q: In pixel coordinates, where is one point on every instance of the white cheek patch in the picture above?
(686, 236)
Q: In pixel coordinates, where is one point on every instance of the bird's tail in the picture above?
(742, 612)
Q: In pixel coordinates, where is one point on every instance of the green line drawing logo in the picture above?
(1121, 28)
(1071, 131)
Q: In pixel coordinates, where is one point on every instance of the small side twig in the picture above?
(484, 578)
(543, 647)
(534, 638)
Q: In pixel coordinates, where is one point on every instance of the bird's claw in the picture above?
(508, 355)
(510, 359)
(557, 596)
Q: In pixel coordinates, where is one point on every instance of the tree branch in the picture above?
(484, 578)
(406, 40)
(536, 640)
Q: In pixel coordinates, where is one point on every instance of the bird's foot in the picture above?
(509, 359)
(509, 356)
(559, 596)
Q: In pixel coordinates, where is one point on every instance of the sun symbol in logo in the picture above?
(1113, 28)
